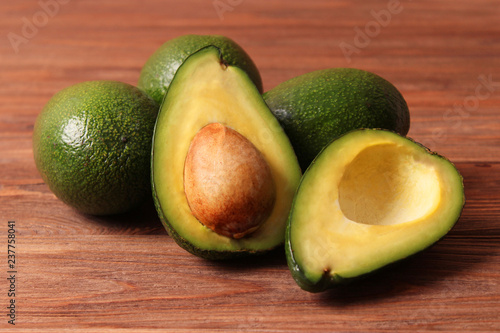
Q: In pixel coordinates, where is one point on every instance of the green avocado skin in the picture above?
(319, 106)
(326, 282)
(160, 68)
(92, 146)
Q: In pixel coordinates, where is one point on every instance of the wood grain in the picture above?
(84, 273)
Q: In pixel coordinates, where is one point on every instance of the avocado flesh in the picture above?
(205, 90)
(369, 199)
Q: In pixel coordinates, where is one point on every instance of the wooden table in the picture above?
(85, 273)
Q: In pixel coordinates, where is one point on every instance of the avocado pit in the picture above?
(227, 182)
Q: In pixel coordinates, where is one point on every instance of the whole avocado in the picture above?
(92, 146)
(160, 68)
(319, 106)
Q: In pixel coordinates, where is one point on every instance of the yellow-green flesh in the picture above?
(372, 199)
(211, 92)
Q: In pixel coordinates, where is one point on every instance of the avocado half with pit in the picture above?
(370, 198)
(223, 171)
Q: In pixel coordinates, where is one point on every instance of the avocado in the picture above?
(223, 171)
(369, 199)
(160, 68)
(317, 107)
(92, 146)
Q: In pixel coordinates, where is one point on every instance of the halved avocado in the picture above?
(223, 171)
(370, 198)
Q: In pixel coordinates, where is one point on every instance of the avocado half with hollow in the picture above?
(370, 198)
(223, 171)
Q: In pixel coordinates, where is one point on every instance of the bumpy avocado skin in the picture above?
(160, 68)
(92, 146)
(317, 107)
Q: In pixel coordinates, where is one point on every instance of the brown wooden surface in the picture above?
(85, 273)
